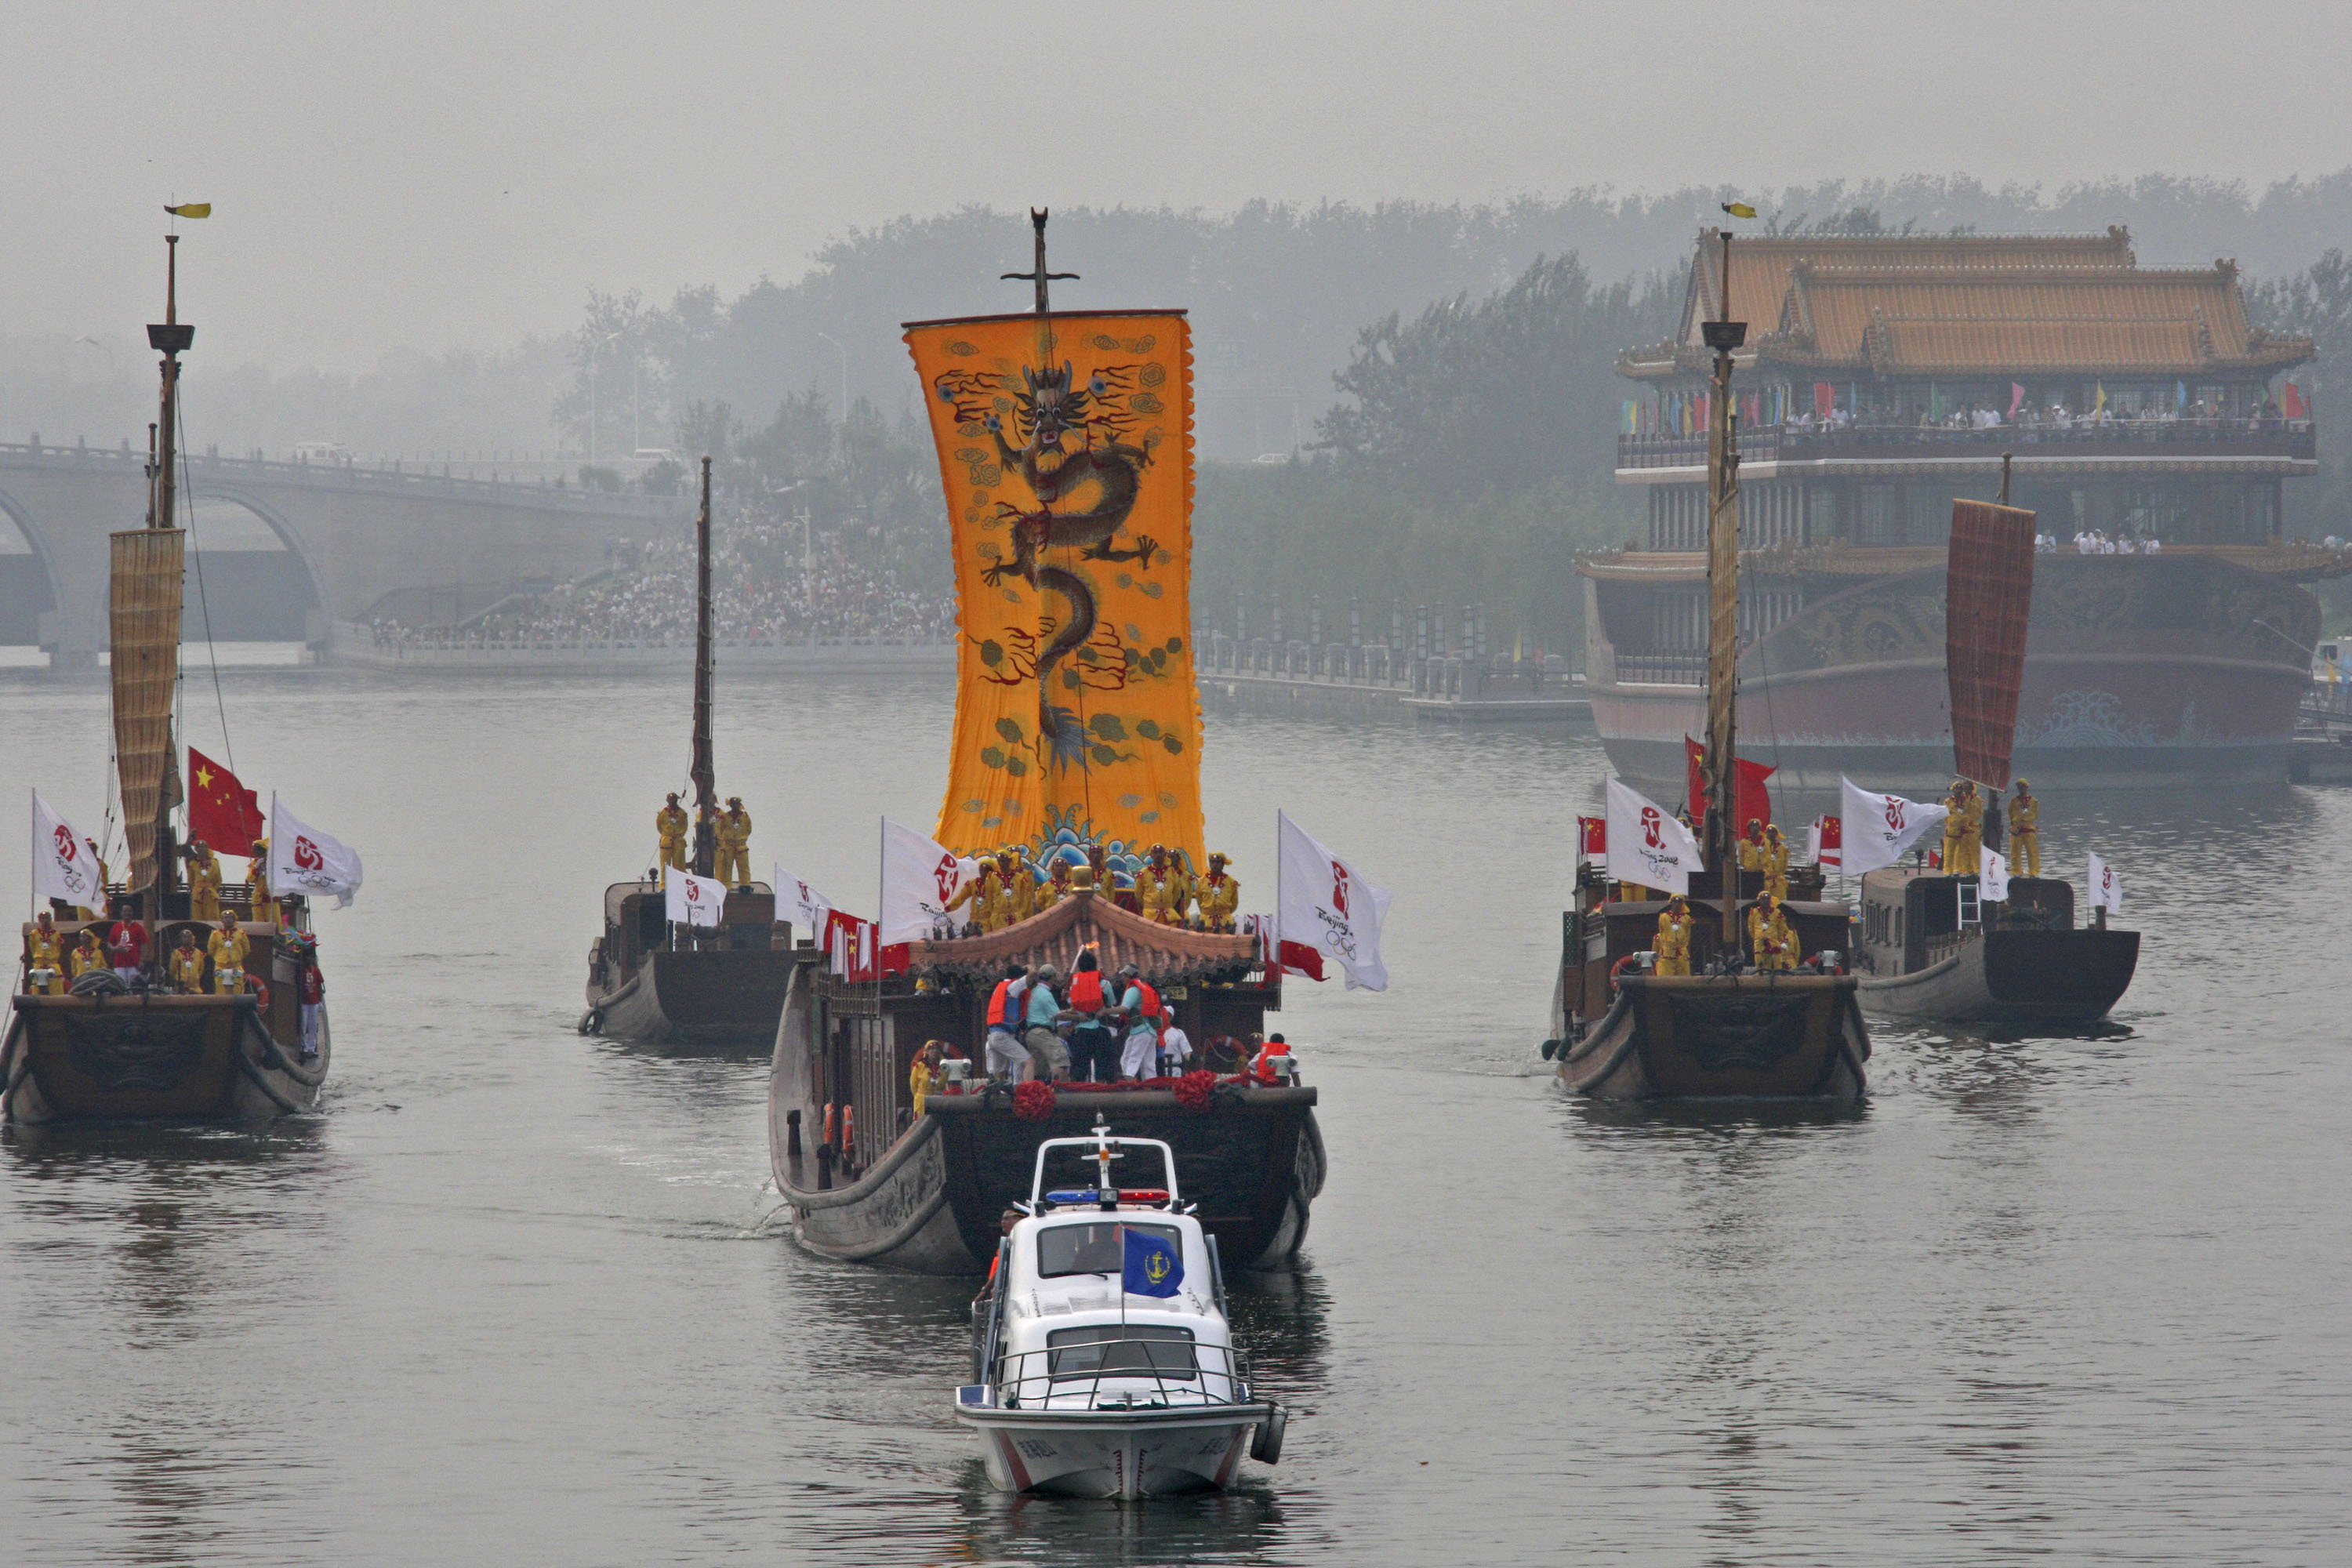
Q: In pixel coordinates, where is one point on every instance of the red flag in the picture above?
(1833, 840)
(1824, 399)
(1755, 801)
(2291, 403)
(1592, 839)
(221, 811)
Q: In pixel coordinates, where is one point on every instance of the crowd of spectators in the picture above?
(2054, 416)
(766, 586)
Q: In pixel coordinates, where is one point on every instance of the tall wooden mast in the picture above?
(706, 786)
(1723, 336)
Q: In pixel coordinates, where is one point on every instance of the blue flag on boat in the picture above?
(1154, 1266)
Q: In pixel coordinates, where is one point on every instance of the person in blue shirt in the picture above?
(1140, 1004)
(1049, 1056)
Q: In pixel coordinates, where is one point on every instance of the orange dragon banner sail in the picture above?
(1065, 451)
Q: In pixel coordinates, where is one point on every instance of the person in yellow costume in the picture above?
(1751, 846)
(104, 877)
(1156, 886)
(1774, 863)
(44, 957)
(1673, 943)
(979, 895)
(1059, 888)
(1187, 886)
(2025, 832)
(1771, 938)
(670, 829)
(733, 833)
(227, 949)
(87, 956)
(204, 881)
(265, 908)
(1020, 894)
(1970, 816)
(1221, 896)
(187, 966)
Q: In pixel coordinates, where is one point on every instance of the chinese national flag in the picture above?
(221, 811)
(1755, 801)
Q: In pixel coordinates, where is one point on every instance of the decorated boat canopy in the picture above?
(1163, 954)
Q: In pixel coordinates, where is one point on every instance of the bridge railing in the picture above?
(397, 479)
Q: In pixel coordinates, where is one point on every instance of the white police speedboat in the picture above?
(1106, 1361)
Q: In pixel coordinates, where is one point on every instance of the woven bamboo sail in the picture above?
(1989, 594)
(146, 587)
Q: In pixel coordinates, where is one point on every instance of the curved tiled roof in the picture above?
(1164, 954)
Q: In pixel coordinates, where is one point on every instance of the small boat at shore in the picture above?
(1103, 1361)
(667, 981)
(148, 1045)
(1926, 952)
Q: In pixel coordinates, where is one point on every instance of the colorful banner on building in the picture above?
(1067, 466)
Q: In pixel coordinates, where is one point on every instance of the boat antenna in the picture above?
(706, 786)
(2005, 458)
(171, 338)
(1723, 336)
(1041, 277)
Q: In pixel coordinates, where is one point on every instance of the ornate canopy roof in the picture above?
(1164, 954)
(1968, 307)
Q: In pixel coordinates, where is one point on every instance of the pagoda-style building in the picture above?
(1884, 376)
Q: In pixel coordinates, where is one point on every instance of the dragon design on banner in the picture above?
(1066, 457)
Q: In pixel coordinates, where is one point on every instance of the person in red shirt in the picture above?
(314, 1002)
(126, 946)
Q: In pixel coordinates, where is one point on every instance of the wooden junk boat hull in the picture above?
(927, 1196)
(2015, 976)
(731, 993)
(183, 1058)
(2030, 964)
(1751, 1036)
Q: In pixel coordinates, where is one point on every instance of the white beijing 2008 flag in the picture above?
(801, 904)
(1648, 846)
(2107, 888)
(1326, 904)
(695, 901)
(304, 860)
(1878, 828)
(1992, 877)
(62, 866)
(918, 879)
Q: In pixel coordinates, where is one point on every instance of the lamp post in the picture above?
(1723, 336)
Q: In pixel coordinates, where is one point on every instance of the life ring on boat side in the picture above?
(1618, 968)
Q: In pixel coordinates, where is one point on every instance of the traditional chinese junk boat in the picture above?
(1891, 373)
(106, 1051)
(1064, 444)
(1715, 1033)
(652, 980)
(1927, 946)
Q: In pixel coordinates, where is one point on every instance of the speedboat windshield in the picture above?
(1093, 1248)
(1107, 1350)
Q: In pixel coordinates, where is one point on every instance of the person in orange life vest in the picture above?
(1004, 1054)
(188, 965)
(1262, 1067)
(126, 944)
(1141, 1005)
(1094, 1050)
(314, 1002)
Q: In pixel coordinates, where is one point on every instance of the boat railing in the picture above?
(1129, 1373)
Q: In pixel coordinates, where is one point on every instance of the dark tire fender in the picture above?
(1267, 1446)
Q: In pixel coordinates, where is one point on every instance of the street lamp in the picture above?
(594, 386)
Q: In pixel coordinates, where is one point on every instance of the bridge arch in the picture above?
(28, 580)
(250, 570)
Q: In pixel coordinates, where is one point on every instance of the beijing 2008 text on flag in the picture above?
(1877, 829)
(1992, 877)
(1327, 905)
(801, 904)
(1151, 1264)
(2107, 888)
(919, 879)
(695, 901)
(306, 861)
(1646, 845)
(62, 867)
(1066, 466)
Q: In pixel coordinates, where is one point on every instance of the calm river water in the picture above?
(513, 1296)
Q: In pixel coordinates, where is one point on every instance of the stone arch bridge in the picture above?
(286, 547)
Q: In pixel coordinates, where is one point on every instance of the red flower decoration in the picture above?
(1033, 1100)
(1193, 1090)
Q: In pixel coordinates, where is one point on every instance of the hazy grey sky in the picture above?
(392, 174)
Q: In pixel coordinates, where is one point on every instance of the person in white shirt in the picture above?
(1175, 1050)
